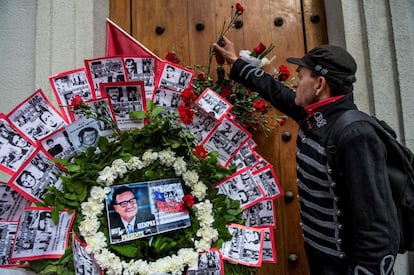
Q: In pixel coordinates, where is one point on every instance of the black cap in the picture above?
(332, 62)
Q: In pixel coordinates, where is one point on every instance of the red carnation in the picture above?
(188, 200)
(260, 105)
(239, 8)
(259, 49)
(200, 152)
(283, 73)
(76, 101)
(201, 77)
(188, 96)
(226, 92)
(186, 114)
(172, 57)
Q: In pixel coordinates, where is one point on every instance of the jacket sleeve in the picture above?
(374, 234)
(279, 95)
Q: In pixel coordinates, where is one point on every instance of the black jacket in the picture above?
(349, 221)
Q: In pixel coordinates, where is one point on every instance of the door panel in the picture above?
(292, 26)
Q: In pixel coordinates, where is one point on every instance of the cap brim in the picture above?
(297, 61)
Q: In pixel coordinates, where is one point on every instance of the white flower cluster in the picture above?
(93, 208)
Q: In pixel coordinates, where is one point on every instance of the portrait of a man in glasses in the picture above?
(127, 222)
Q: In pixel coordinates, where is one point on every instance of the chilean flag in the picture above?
(167, 206)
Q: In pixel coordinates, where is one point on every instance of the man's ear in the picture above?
(322, 88)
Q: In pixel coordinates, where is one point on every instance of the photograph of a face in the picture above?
(143, 209)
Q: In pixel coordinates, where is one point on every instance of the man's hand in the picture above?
(226, 49)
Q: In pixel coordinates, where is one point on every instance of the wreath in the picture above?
(160, 150)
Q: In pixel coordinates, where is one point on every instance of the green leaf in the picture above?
(138, 114)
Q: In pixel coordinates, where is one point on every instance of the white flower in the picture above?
(180, 166)
(202, 245)
(88, 226)
(190, 178)
(265, 61)
(135, 163)
(107, 176)
(149, 157)
(167, 157)
(99, 193)
(208, 233)
(92, 208)
(188, 255)
(199, 190)
(95, 242)
(120, 167)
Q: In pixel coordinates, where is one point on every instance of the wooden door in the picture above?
(190, 26)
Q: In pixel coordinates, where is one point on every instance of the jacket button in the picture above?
(342, 256)
(304, 140)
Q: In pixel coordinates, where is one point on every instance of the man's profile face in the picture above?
(126, 205)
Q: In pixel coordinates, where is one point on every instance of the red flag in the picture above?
(119, 42)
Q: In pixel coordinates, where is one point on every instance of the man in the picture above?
(87, 137)
(127, 219)
(349, 222)
(54, 149)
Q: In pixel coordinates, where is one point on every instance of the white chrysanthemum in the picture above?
(208, 233)
(199, 190)
(95, 243)
(190, 178)
(92, 208)
(107, 176)
(139, 266)
(98, 193)
(120, 167)
(202, 245)
(188, 255)
(149, 157)
(109, 261)
(135, 163)
(88, 226)
(180, 166)
(166, 157)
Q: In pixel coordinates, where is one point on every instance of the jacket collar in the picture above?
(315, 107)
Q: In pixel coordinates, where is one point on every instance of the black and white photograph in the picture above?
(267, 179)
(83, 133)
(226, 139)
(242, 186)
(201, 126)
(139, 210)
(38, 237)
(7, 235)
(15, 148)
(213, 104)
(245, 157)
(102, 70)
(208, 263)
(36, 117)
(175, 77)
(67, 85)
(83, 262)
(260, 214)
(58, 144)
(169, 100)
(246, 245)
(269, 246)
(37, 173)
(12, 203)
(126, 97)
(141, 69)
